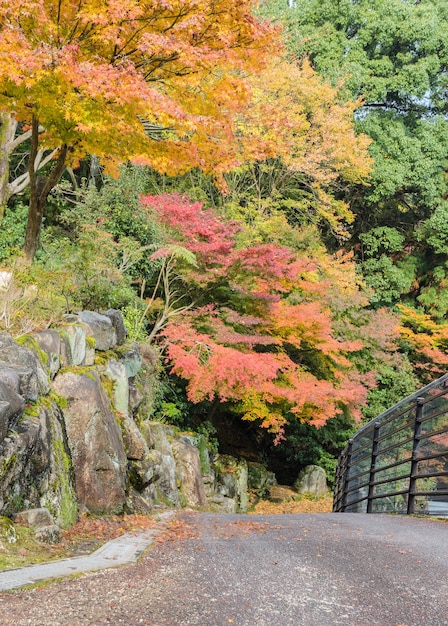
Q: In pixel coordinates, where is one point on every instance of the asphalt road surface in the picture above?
(260, 570)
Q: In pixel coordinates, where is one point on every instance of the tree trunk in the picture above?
(40, 187)
(8, 127)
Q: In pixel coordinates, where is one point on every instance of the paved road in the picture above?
(215, 570)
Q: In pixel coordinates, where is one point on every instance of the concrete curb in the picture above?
(124, 549)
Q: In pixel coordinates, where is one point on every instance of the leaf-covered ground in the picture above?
(286, 500)
(265, 507)
(89, 533)
(84, 537)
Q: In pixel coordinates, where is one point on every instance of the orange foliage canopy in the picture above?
(152, 80)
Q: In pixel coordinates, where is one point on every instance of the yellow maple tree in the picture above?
(297, 117)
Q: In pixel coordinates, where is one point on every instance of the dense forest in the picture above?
(261, 190)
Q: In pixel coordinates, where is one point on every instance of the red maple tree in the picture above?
(254, 320)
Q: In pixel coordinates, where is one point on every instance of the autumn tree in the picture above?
(298, 152)
(120, 80)
(426, 340)
(395, 55)
(256, 328)
(306, 128)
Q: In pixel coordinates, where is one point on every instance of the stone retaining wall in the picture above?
(68, 438)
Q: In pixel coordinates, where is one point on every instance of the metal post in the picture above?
(346, 473)
(415, 449)
(376, 431)
(337, 484)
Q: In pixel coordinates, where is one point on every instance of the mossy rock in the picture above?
(8, 534)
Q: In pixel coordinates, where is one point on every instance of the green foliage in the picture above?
(115, 209)
(170, 413)
(197, 185)
(387, 51)
(34, 298)
(208, 432)
(171, 404)
(434, 296)
(12, 231)
(305, 445)
(393, 384)
(173, 407)
(434, 231)
(382, 240)
(409, 156)
(386, 267)
(134, 322)
(92, 264)
(388, 279)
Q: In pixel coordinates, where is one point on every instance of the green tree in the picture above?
(395, 55)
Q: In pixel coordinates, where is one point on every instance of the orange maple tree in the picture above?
(152, 81)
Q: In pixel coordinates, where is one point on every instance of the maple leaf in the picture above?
(428, 340)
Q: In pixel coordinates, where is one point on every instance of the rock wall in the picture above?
(70, 440)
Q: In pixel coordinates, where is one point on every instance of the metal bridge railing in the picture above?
(398, 462)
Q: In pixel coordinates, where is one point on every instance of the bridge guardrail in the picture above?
(398, 462)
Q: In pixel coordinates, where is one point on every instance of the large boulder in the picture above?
(35, 467)
(260, 480)
(117, 322)
(163, 487)
(116, 371)
(188, 472)
(132, 361)
(33, 379)
(231, 480)
(42, 522)
(157, 435)
(52, 468)
(49, 343)
(74, 345)
(11, 405)
(146, 471)
(9, 376)
(145, 383)
(101, 328)
(311, 480)
(95, 442)
(135, 445)
(17, 487)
